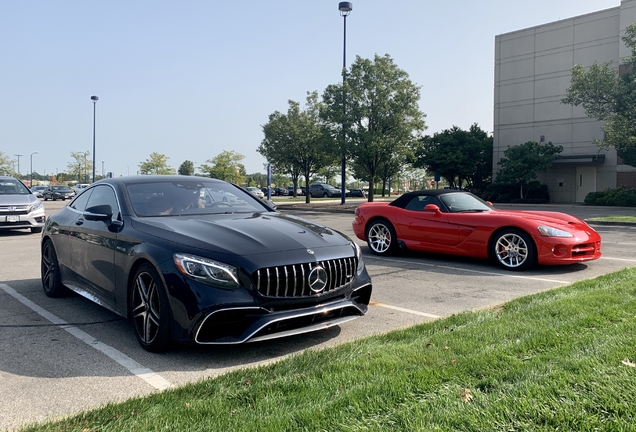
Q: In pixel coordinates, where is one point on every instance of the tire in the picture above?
(513, 249)
(50, 271)
(149, 310)
(46, 198)
(36, 230)
(325, 195)
(381, 238)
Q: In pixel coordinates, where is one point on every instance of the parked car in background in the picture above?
(452, 222)
(356, 193)
(255, 191)
(58, 192)
(19, 207)
(323, 190)
(279, 191)
(38, 191)
(228, 272)
(80, 187)
(290, 191)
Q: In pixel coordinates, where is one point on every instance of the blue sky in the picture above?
(192, 78)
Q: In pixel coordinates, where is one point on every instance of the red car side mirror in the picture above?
(432, 207)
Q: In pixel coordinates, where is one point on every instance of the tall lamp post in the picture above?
(94, 99)
(345, 9)
(31, 179)
(18, 164)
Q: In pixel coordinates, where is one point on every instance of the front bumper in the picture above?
(19, 218)
(252, 324)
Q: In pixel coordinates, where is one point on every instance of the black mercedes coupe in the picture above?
(199, 260)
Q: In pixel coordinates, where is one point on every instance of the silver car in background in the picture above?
(19, 207)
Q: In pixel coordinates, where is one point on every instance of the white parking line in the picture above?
(397, 308)
(618, 259)
(468, 270)
(149, 376)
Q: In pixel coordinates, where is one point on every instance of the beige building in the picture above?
(532, 73)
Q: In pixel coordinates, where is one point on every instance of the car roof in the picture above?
(140, 179)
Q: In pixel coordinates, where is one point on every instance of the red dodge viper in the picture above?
(459, 223)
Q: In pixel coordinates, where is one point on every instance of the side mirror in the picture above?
(99, 213)
(433, 208)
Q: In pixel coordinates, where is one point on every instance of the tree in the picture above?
(520, 163)
(458, 155)
(378, 107)
(156, 164)
(6, 165)
(80, 166)
(609, 95)
(186, 168)
(226, 166)
(298, 142)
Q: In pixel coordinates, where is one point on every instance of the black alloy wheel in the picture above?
(50, 272)
(149, 309)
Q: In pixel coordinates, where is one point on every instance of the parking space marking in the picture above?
(397, 308)
(152, 378)
(469, 270)
(618, 259)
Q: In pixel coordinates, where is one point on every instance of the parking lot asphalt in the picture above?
(61, 356)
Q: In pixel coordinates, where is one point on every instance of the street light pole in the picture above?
(31, 179)
(18, 163)
(345, 9)
(94, 99)
(102, 169)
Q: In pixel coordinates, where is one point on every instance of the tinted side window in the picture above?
(419, 202)
(104, 195)
(79, 203)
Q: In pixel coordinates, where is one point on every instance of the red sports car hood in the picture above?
(242, 234)
(544, 217)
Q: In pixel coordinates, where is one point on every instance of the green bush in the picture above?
(622, 196)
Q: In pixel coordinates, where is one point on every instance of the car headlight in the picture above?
(553, 232)
(359, 255)
(35, 206)
(207, 271)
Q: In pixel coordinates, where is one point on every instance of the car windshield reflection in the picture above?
(177, 198)
(464, 202)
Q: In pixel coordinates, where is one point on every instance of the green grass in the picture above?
(551, 361)
(613, 219)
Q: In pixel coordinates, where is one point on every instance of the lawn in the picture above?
(631, 219)
(559, 360)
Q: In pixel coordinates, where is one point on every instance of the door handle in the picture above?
(79, 222)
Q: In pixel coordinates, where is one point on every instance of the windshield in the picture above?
(61, 188)
(176, 198)
(13, 187)
(464, 202)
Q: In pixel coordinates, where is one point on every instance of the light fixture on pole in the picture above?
(18, 163)
(94, 99)
(31, 178)
(345, 9)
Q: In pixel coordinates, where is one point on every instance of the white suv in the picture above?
(19, 207)
(80, 187)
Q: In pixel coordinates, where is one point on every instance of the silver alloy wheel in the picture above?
(511, 250)
(379, 238)
(146, 307)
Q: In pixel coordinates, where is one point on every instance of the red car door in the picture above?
(420, 227)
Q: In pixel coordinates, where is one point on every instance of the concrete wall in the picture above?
(532, 73)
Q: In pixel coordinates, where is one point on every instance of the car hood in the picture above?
(242, 234)
(544, 217)
(17, 200)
